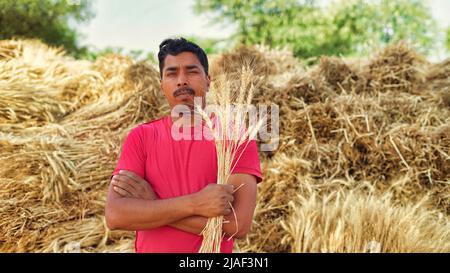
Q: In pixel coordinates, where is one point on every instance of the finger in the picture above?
(138, 186)
(132, 175)
(228, 198)
(121, 191)
(113, 178)
(128, 180)
(124, 184)
(231, 198)
(229, 188)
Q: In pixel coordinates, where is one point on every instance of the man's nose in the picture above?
(182, 80)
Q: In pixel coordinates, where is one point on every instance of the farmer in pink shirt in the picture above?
(164, 188)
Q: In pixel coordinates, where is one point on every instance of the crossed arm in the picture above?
(133, 205)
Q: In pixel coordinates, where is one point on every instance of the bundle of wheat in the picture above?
(231, 136)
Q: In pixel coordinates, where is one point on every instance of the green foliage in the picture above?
(364, 25)
(48, 20)
(344, 27)
(210, 45)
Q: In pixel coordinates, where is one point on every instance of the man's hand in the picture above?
(213, 200)
(244, 203)
(130, 185)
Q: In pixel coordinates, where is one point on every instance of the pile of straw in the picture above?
(363, 162)
(61, 126)
(380, 123)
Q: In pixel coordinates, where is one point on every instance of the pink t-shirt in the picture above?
(175, 168)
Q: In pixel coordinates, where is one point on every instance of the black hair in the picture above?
(178, 45)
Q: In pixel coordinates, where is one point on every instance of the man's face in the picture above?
(183, 77)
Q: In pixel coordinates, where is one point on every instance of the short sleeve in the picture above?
(248, 162)
(132, 156)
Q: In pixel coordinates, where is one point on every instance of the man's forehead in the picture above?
(182, 59)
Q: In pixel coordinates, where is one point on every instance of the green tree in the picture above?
(378, 24)
(258, 21)
(342, 27)
(210, 45)
(48, 20)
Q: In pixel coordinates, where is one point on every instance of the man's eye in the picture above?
(193, 72)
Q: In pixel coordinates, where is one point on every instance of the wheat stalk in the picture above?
(231, 99)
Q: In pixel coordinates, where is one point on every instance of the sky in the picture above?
(143, 24)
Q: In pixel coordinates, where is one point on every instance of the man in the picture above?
(166, 189)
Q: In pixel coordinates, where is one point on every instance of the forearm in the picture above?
(192, 224)
(196, 224)
(139, 214)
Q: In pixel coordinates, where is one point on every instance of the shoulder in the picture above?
(155, 122)
(148, 129)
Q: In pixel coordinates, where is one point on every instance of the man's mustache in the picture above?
(184, 90)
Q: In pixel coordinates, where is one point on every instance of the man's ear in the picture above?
(208, 82)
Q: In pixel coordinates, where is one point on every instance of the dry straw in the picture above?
(354, 222)
(62, 122)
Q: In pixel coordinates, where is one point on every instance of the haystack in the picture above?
(61, 128)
